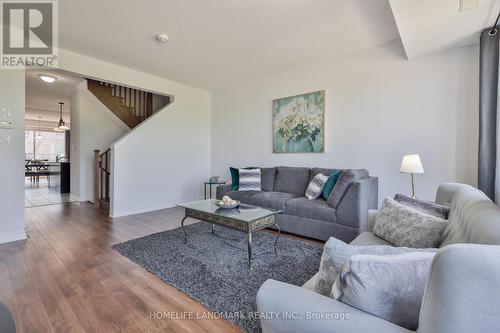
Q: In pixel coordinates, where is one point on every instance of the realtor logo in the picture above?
(29, 33)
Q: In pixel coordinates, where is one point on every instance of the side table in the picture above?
(210, 183)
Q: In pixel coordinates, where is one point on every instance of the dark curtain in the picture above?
(67, 145)
(488, 111)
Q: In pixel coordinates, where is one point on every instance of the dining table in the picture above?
(35, 170)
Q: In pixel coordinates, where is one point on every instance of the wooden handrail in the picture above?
(96, 180)
(102, 175)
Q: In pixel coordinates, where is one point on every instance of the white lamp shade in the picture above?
(411, 164)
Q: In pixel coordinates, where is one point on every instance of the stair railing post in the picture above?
(97, 177)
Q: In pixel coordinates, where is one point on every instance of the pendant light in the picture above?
(39, 136)
(62, 124)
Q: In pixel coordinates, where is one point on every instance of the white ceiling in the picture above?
(430, 26)
(42, 98)
(219, 42)
(216, 43)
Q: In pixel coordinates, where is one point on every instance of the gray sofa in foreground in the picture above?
(284, 188)
(462, 293)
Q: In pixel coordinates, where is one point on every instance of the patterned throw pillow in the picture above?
(316, 185)
(235, 177)
(249, 180)
(405, 226)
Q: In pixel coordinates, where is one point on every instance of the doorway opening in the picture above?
(47, 137)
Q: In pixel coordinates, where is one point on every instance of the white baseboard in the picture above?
(73, 197)
(80, 199)
(12, 236)
(145, 209)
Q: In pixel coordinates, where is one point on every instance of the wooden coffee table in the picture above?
(245, 218)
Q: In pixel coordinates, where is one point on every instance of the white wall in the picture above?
(93, 127)
(12, 158)
(379, 106)
(74, 139)
(164, 160)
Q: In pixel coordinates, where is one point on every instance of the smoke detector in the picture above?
(468, 4)
(162, 38)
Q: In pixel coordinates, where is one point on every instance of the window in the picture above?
(44, 145)
(29, 147)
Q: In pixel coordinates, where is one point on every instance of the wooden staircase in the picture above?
(118, 99)
(131, 106)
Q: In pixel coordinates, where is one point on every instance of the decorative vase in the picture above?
(302, 145)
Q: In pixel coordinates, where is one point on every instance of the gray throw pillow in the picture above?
(427, 207)
(336, 253)
(249, 180)
(316, 185)
(404, 226)
(267, 176)
(343, 183)
(390, 287)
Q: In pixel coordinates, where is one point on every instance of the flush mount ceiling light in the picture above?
(162, 38)
(47, 78)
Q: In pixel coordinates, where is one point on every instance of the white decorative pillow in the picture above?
(249, 180)
(336, 253)
(316, 185)
(401, 225)
(390, 286)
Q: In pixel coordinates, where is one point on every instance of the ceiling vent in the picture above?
(468, 4)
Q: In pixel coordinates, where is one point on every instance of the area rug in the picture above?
(212, 269)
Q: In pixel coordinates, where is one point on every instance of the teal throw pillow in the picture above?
(330, 183)
(235, 179)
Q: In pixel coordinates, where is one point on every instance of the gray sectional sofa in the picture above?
(284, 188)
(462, 293)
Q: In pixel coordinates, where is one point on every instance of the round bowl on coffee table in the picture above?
(227, 206)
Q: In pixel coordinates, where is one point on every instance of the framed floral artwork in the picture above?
(298, 123)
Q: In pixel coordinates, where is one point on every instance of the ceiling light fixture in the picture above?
(57, 129)
(62, 124)
(39, 136)
(162, 38)
(47, 78)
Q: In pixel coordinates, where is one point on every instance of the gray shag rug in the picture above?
(212, 269)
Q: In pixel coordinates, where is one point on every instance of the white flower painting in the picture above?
(298, 123)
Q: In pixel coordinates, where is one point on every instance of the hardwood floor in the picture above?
(66, 277)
